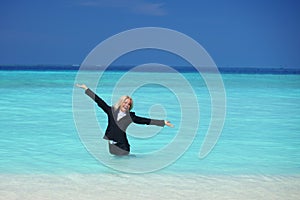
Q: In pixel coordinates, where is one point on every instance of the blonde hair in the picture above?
(121, 100)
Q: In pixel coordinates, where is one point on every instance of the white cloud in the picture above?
(150, 9)
(133, 6)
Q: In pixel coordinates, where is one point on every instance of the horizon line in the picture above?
(184, 69)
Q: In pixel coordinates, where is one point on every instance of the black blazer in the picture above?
(116, 130)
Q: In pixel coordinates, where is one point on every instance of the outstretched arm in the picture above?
(102, 104)
(142, 120)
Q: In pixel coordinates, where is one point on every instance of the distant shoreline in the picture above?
(183, 69)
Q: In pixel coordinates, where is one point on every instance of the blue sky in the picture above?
(234, 32)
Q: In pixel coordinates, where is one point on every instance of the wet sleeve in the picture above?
(143, 120)
(102, 104)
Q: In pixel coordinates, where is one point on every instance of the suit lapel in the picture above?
(115, 113)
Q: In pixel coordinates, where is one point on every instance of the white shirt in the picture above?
(121, 115)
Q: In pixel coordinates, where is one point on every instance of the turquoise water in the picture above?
(261, 133)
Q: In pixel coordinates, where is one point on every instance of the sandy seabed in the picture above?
(147, 186)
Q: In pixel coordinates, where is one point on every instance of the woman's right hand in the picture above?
(83, 86)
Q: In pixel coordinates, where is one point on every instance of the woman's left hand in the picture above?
(167, 123)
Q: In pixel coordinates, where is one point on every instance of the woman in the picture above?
(119, 118)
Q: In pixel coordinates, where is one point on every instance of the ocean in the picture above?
(260, 139)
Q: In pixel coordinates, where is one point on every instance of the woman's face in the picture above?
(126, 105)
